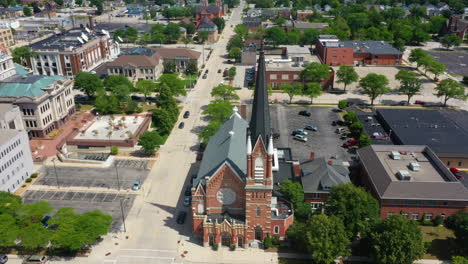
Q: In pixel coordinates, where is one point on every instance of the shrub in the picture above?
(275, 240)
(215, 246)
(350, 117)
(267, 243)
(459, 260)
(34, 175)
(427, 245)
(342, 104)
(114, 150)
(28, 180)
(78, 107)
(438, 220)
(465, 80)
(356, 128)
(233, 247)
(427, 223)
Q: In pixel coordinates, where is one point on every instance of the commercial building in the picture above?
(6, 37)
(444, 131)
(333, 51)
(148, 63)
(73, 51)
(7, 67)
(304, 15)
(233, 202)
(412, 181)
(46, 102)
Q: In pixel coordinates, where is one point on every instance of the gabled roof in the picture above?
(317, 174)
(134, 60)
(212, 9)
(227, 145)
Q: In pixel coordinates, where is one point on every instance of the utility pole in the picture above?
(56, 176)
(117, 175)
(123, 216)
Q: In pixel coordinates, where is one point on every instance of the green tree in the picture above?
(177, 86)
(22, 54)
(9, 230)
(27, 11)
(309, 36)
(291, 90)
(232, 73)
(350, 117)
(374, 85)
(276, 35)
(437, 68)
(192, 67)
(459, 260)
(235, 41)
(458, 222)
(186, 40)
(164, 121)
(145, 87)
(313, 90)
(203, 36)
(346, 75)
(131, 34)
(218, 110)
(436, 23)
(364, 141)
(393, 13)
(356, 128)
(450, 40)
(34, 236)
(190, 28)
(410, 85)
(169, 66)
(149, 141)
(416, 55)
(88, 83)
(172, 32)
(396, 240)
(357, 21)
(209, 131)
(225, 92)
(235, 53)
(420, 36)
(352, 204)
(241, 30)
(220, 23)
(426, 63)
(32, 213)
(418, 12)
(112, 81)
(9, 203)
(294, 193)
(342, 104)
(315, 72)
(448, 89)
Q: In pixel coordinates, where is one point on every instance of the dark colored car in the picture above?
(186, 114)
(350, 143)
(181, 125)
(204, 76)
(338, 122)
(219, 71)
(3, 259)
(276, 135)
(419, 102)
(181, 217)
(304, 113)
(138, 98)
(188, 190)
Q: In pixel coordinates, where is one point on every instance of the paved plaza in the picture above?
(111, 128)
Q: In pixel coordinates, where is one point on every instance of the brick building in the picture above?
(333, 51)
(233, 201)
(278, 73)
(208, 11)
(6, 37)
(304, 15)
(457, 25)
(72, 52)
(412, 181)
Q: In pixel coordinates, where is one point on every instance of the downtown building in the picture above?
(235, 197)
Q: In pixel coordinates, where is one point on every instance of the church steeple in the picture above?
(260, 119)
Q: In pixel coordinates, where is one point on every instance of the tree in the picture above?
(294, 193)
(436, 23)
(291, 90)
(192, 67)
(112, 81)
(235, 53)
(32, 213)
(426, 63)
(218, 110)
(131, 34)
(448, 89)
(27, 11)
(356, 128)
(450, 40)
(309, 36)
(190, 28)
(241, 30)
(374, 85)
(174, 83)
(34, 236)
(315, 72)
(410, 85)
(220, 23)
(145, 87)
(186, 40)
(203, 36)
(172, 31)
(346, 75)
(416, 55)
(22, 54)
(350, 117)
(313, 90)
(232, 73)
(9, 203)
(354, 206)
(458, 222)
(225, 92)
(276, 35)
(364, 141)
(342, 104)
(396, 240)
(459, 260)
(235, 42)
(88, 83)
(149, 141)
(437, 68)
(164, 120)
(209, 131)
(9, 230)
(169, 66)
(418, 12)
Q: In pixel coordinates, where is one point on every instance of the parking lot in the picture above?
(108, 203)
(456, 62)
(240, 78)
(324, 142)
(122, 172)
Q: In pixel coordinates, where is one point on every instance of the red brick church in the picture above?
(235, 200)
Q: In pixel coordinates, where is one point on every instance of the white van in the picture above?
(35, 259)
(340, 130)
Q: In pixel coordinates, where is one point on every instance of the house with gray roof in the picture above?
(412, 181)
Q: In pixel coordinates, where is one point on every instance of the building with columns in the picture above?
(235, 197)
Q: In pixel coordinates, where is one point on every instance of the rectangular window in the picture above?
(315, 195)
(415, 216)
(273, 77)
(390, 214)
(428, 217)
(405, 215)
(285, 77)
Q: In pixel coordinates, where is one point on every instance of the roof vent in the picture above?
(404, 175)
(414, 166)
(231, 133)
(395, 155)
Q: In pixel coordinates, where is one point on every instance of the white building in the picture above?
(7, 67)
(10, 117)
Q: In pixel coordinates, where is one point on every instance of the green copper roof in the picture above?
(27, 85)
(21, 70)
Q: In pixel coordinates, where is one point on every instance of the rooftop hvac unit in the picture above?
(84, 37)
(395, 155)
(414, 166)
(87, 30)
(404, 175)
(80, 40)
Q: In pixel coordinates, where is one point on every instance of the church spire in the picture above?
(260, 119)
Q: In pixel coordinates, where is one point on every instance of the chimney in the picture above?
(243, 111)
(330, 162)
(91, 23)
(312, 155)
(296, 169)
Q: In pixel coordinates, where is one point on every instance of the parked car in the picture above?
(199, 156)
(340, 130)
(419, 102)
(276, 135)
(206, 72)
(403, 103)
(3, 258)
(219, 71)
(136, 185)
(35, 259)
(204, 76)
(300, 138)
(181, 125)
(311, 127)
(187, 200)
(301, 132)
(188, 190)
(45, 221)
(181, 217)
(350, 143)
(152, 98)
(193, 177)
(186, 114)
(304, 113)
(137, 98)
(338, 123)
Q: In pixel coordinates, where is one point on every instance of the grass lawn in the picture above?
(441, 239)
(188, 79)
(86, 107)
(147, 107)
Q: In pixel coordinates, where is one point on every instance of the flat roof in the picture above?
(364, 46)
(66, 40)
(444, 131)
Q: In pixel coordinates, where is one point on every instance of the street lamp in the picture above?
(123, 216)
(117, 175)
(56, 176)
